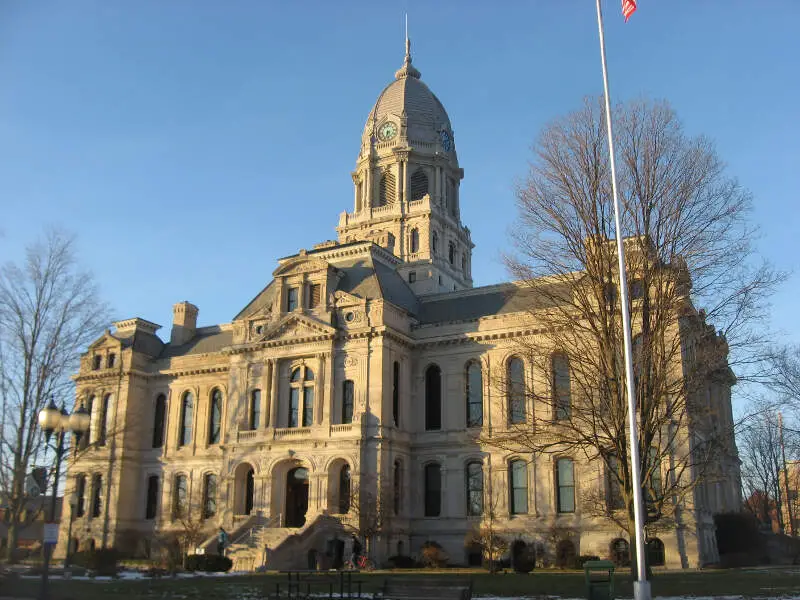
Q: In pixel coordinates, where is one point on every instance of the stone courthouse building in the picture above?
(353, 391)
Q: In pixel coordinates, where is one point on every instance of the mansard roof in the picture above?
(206, 340)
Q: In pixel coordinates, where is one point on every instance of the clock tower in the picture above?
(406, 186)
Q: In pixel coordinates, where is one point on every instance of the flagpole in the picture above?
(641, 587)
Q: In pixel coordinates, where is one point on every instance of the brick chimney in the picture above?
(184, 323)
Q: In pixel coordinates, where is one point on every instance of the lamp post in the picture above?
(52, 420)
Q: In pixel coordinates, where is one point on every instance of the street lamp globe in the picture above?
(49, 418)
(79, 422)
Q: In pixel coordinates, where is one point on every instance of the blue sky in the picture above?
(189, 144)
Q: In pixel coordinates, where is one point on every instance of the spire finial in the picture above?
(407, 70)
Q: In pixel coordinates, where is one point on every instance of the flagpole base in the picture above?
(641, 590)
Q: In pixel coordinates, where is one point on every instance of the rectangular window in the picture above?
(97, 495)
(433, 490)
(396, 394)
(412, 277)
(209, 496)
(152, 497)
(347, 401)
(308, 406)
(80, 493)
(518, 470)
(291, 299)
(314, 295)
(294, 406)
(255, 409)
(565, 477)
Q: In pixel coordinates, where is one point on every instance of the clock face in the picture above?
(387, 131)
(447, 142)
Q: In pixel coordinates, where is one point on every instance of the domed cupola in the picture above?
(407, 183)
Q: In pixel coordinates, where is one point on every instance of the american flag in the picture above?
(628, 8)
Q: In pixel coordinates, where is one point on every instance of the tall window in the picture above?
(474, 477)
(215, 417)
(255, 409)
(291, 298)
(435, 242)
(88, 437)
(80, 494)
(151, 506)
(314, 295)
(111, 360)
(433, 490)
(180, 497)
(562, 401)
(348, 392)
(187, 416)
(97, 360)
(390, 241)
(474, 394)
(518, 478)
(615, 499)
(418, 185)
(344, 490)
(386, 189)
(654, 467)
(159, 417)
(414, 240)
(102, 432)
(396, 393)
(397, 483)
(516, 391)
(301, 384)
(565, 477)
(97, 494)
(209, 495)
(433, 398)
(452, 200)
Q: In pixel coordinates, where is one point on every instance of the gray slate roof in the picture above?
(209, 339)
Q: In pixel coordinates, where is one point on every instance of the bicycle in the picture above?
(361, 563)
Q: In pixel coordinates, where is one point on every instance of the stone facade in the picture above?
(317, 407)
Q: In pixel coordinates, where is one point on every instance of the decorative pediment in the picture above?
(105, 341)
(345, 299)
(299, 265)
(296, 328)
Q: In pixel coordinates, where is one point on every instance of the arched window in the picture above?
(565, 479)
(396, 393)
(397, 489)
(435, 243)
(301, 383)
(89, 436)
(655, 552)
(111, 360)
(433, 398)
(418, 185)
(159, 418)
(474, 477)
(97, 494)
(209, 495)
(387, 189)
(620, 552)
(255, 409)
(180, 497)
(433, 490)
(80, 494)
(348, 394)
(151, 504)
(562, 401)
(516, 391)
(97, 360)
(474, 394)
(103, 419)
(414, 240)
(215, 417)
(451, 253)
(390, 241)
(518, 480)
(187, 416)
(344, 490)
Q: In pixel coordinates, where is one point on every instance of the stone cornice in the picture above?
(308, 339)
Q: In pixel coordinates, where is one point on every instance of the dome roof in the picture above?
(407, 96)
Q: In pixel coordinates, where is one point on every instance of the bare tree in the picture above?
(49, 312)
(761, 462)
(688, 244)
(370, 510)
(485, 534)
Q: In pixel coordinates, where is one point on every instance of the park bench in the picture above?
(427, 588)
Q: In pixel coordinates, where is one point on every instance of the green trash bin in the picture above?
(599, 579)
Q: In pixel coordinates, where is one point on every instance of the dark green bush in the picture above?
(210, 563)
(525, 560)
(401, 562)
(102, 561)
(737, 533)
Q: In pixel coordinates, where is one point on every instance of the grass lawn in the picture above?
(740, 582)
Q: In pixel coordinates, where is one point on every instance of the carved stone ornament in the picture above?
(350, 361)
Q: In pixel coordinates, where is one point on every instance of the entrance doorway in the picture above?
(296, 497)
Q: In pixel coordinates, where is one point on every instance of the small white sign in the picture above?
(50, 533)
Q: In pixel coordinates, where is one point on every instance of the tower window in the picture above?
(314, 295)
(414, 241)
(348, 395)
(187, 414)
(451, 253)
(301, 383)
(291, 299)
(435, 242)
(433, 398)
(387, 188)
(418, 185)
(215, 417)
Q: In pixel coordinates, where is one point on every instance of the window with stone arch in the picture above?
(180, 497)
(209, 495)
(433, 398)
(105, 415)
(560, 381)
(418, 185)
(516, 390)
(97, 495)
(344, 489)
(474, 394)
(254, 414)
(451, 253)
(215, 417)
(435, 243)
(518, 487)
(397, 486)
(159, 420)
(301, 386)
(474, 480)
(414, 243)
(387, 189)
(187, 416)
